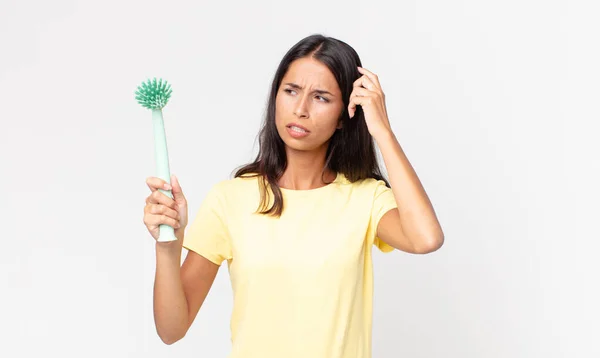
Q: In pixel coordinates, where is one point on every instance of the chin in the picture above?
(302, 145)
(295, 144)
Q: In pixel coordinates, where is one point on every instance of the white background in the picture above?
(494, 102)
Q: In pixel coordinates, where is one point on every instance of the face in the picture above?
(308, 105)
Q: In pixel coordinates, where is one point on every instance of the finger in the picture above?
(159, 209)
(156, 220)
(155, 183)
(158, 197)
(364, 81)
(177, 191)
(373, 77)
(361, 92)
(359, 96)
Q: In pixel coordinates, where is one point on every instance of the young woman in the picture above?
(297, 225)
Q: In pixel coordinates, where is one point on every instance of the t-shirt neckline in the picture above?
(310, 191)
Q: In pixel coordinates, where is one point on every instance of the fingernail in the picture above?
(167, 186)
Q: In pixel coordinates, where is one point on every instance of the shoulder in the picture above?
(366, 185)
(234, 183)
(234, 188)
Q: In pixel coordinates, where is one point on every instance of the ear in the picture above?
(340, 121)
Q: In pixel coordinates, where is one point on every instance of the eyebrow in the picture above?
(291, 84)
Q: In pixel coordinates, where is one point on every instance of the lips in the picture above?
(297, 125)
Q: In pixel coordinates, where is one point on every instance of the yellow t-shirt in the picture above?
(302, 283)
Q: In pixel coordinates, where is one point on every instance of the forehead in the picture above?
(312, 73)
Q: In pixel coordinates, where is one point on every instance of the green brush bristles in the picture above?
(153, 94)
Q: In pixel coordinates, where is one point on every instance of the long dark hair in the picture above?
(351, 149)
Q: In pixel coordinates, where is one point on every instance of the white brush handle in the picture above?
(166, 232)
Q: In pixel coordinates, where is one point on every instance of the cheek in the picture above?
(329, 116)
(278, 109)
(326, 111)
(283, 104)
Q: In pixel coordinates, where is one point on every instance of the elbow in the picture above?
(430, 245)
(168, 341)
(172, 338)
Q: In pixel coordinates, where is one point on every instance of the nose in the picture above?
(300, 109)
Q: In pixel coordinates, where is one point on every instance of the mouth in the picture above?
(297, 128)
(296, 131)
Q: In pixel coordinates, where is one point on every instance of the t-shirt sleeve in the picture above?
(207, 234)
(383, 202)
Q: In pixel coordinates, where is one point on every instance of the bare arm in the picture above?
(412, 227)
(179, 291)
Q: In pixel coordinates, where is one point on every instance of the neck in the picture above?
(305, 169)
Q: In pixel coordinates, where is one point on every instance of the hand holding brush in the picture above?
(165, 214)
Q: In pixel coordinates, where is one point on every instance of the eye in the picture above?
(322, 99)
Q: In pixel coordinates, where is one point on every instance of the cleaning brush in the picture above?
(154, 95)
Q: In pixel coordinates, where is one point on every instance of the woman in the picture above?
(297, 225)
